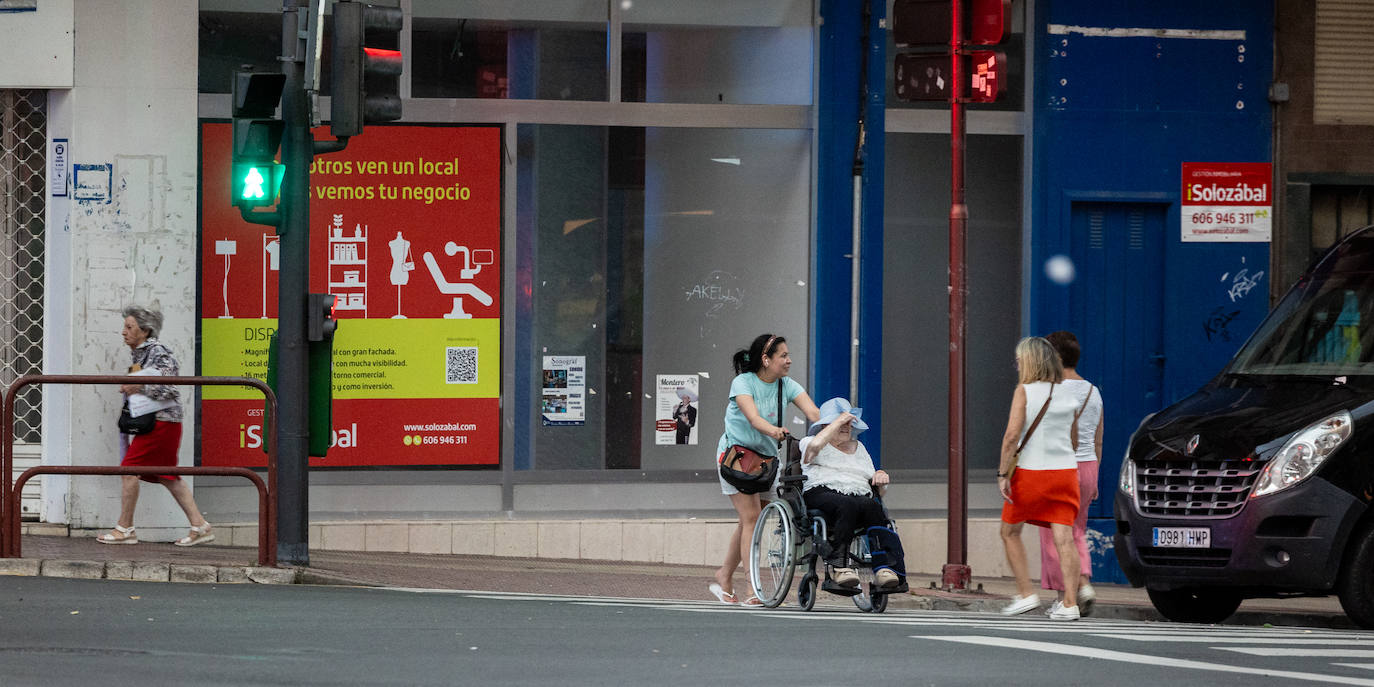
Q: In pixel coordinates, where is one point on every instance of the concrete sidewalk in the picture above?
(60, 556)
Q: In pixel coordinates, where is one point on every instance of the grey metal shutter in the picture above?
(1344, 80)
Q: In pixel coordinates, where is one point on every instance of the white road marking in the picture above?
(1309, 653)
(1362, 666)
(1145, 659)
(1245, 639)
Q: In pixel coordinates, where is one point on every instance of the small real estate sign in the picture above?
(1227, 201)
(406, 234)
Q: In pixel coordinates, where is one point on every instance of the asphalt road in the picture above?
(92, 632)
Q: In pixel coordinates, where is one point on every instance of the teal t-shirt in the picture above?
(737, 427)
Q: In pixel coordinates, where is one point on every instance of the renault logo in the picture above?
(1191, 446)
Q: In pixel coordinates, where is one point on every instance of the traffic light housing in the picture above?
(320, 326)
(366, 67)
(255, 176)
(924, 27)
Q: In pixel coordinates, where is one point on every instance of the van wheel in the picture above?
(1197, 605)
(1355, 585)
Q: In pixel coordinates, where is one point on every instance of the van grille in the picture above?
(1185, 558)
(1195, 489)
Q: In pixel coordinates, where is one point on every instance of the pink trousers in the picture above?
(1050, 575)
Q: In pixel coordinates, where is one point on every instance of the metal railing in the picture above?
(10, 527)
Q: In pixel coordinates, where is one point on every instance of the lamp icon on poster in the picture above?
(473, 261)
(226, 248)
(401, 265)
(271, 260)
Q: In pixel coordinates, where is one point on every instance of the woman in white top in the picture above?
(1089, 454)
(1043, 487)
(840, 482)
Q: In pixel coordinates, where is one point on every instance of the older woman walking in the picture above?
(159, 445)
(1038, 474)
(1088, 452)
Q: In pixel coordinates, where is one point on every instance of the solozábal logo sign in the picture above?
(1226, 201)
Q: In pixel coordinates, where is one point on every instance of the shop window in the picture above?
(717, 52)
(655, 253)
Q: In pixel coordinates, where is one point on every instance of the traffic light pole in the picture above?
(956, 572)
(297, 150)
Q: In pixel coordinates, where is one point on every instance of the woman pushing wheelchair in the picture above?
(841, 483)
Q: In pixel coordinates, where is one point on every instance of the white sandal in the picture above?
(198, 535)
(120, 535)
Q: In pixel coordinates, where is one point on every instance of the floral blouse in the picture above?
(153, 353)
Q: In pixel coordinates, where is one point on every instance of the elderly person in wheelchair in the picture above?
(842, 484)
(826, 510)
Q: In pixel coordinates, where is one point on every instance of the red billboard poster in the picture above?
(1227, 201)
(405, 232)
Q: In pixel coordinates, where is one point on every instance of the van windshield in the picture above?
(1324, 327)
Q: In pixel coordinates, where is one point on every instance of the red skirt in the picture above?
(158, 447)
(1041, 497)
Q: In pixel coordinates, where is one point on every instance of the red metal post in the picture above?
(10, 527)
(956, 573)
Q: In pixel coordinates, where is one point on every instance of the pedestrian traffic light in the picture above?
(320, 325)
(922, 77)
(366, 67)
(255, 176)
(319, 319)
(924, 26)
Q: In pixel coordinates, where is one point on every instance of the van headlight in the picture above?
(1126, 480)
(1302, 454)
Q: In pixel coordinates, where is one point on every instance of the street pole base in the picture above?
(955, 576)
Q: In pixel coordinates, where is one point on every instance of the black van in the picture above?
(1259, 484)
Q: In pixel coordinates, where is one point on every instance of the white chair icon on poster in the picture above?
(473, 261)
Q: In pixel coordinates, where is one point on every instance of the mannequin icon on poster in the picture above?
(348, 270)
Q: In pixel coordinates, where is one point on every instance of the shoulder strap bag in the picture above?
(1015, 457)
(747, 470)
(1074, 429)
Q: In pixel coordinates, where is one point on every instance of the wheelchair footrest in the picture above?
(899, 589)
(830, 586)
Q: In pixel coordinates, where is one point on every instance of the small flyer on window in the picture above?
(675, 410)
(564, 400)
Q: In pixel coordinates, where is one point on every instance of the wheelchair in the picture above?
(788, 535)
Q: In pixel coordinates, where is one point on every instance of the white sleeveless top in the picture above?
(1089, 420)
(1050, 447)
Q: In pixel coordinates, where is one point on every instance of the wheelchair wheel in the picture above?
(772, 555)
(879, 604)
(806, 592)
(862, 562)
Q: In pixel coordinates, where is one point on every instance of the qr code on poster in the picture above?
(461, 365)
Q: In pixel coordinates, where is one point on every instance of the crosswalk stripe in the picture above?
(1362, 666)
(1309, 653)
(1146, 659)
(1205, 639)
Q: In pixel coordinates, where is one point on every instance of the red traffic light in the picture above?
(987, 21)
(987, 72)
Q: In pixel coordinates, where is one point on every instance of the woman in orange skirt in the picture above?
(1042, 489)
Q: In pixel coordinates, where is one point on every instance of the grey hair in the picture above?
(147, 319)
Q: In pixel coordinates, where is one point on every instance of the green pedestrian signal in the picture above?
(256, 184)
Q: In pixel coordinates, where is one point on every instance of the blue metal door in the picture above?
(1116, 308)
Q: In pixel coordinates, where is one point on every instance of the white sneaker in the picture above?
(1086, 593)
(1054, 607)
(1023, 604)
(1065, 613)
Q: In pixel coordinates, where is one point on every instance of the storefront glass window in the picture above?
(544, 49)
(655, 254)
(717, 51)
